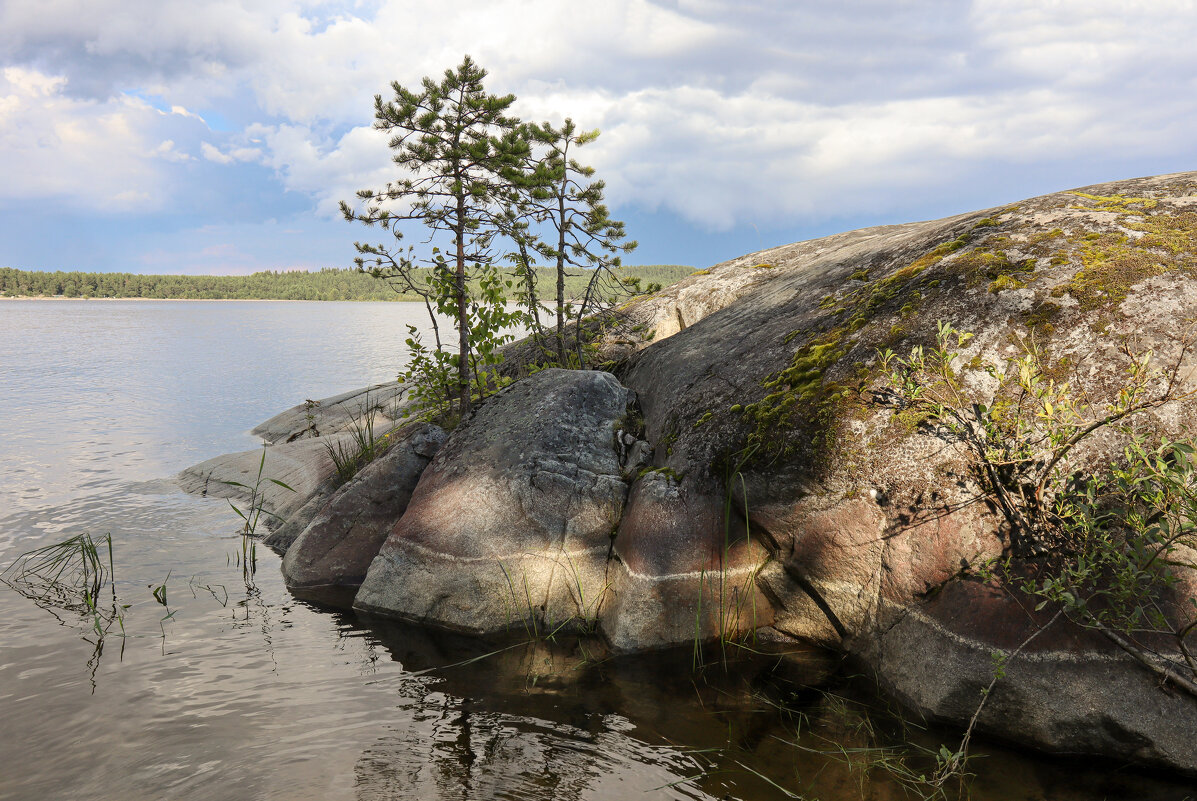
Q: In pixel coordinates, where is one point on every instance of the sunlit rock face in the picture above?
(523, 520)
(337, 547)
(512, 522)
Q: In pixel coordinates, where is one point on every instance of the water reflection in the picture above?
(453, 751)
(536, 720)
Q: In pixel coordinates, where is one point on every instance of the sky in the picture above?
(217, 136)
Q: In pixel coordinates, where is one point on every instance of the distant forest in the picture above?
(327, 284)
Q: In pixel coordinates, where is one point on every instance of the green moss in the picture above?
(807, 402)
(1118, 203)
(800, 387)
(1003, 282)
(631, 422)
(939, 251)
(897, 333)
(907, 421)
(987, 222)
(1111, 263)
(706, 418)
(762, 266)
(668, 437)
(1040, 319)
(707, 271)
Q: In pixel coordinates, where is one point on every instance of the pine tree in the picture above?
(456, 147)
(579, 227)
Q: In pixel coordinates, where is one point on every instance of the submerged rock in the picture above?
(320, 418)
(337, 547)
(303, 465)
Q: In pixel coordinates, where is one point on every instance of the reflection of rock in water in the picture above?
(452, 751)
(533, 720)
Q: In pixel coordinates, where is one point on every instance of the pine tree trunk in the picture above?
(463, 320)
(561, 277)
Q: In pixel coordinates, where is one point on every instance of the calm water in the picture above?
(246, 693)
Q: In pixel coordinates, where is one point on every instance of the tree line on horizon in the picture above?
(325, 284)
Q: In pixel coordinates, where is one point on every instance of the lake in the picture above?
(232, 689)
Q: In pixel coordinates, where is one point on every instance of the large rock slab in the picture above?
(1067, 691)
(512, 522)
(869, 514)
(319, 418)
(304, 465)
(337, 547)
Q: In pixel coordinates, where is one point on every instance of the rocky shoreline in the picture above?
(737, 467)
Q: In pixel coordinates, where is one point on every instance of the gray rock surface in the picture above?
(320, 418)
(1066, 692)
(303, 465)
(511, 523)
(285, 533)
(337, 547)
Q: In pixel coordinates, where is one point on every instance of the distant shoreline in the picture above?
(324, 285)
(196, 300)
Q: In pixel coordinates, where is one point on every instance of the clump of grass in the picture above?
(846, 731)
(363, 446)
(253, 512)
(735, 603)
(535, 618)
(247, 558)
(71, 576)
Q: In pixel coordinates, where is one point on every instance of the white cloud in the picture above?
(235, 154)
(182, 112)
(726, 113)
(31, 83)
(212, 153)
(85, 153)
(329, 171)
(689, 128)
(166, 150)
